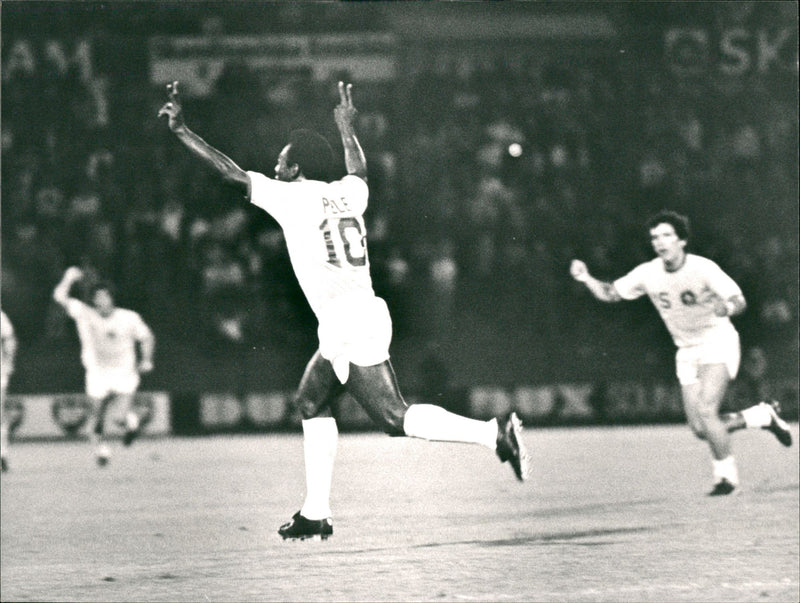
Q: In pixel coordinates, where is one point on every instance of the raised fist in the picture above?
(73, 273)
(579, 271)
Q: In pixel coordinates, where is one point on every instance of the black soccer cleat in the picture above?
(778, 426)
(301, 528)
(130, 436)
(722, 488)
(3, 464)
(510, 447)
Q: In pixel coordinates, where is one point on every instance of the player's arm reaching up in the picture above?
(217, 161)
(344, 114)
(61, 293)
(601, 290)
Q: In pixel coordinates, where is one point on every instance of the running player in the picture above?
(695, 299)
(8, 356)
(324, 229)
(116, 348)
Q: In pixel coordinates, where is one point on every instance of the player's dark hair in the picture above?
(312, 152)
(102, 285)
(677, 221)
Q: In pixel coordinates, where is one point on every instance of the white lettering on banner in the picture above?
(488, 402)
(534, 401)
(28, 57)
(735, 59)
(574, 401)
(665, 400)
(638, 400)
(198, 61)
(737, 51)
(266, 409)
(228, 411)
(555, 401)
(220, 410)
(55, 416)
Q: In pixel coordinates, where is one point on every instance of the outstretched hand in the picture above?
(344, 113)
(172, 108)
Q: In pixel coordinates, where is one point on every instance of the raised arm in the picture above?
(216, 160)
(344, 114)
(61, 292)
(601, 290)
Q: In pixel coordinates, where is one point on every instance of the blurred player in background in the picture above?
(695, 299)
(116, 348)
(8, 356)
(324, 229)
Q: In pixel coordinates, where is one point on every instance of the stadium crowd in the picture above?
(487, 176)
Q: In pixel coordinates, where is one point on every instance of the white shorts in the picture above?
(104, 382)
(355, 329)
(720, 347)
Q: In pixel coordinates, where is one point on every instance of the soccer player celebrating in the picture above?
(8, 355)
(695, 299)
(323, 225)
(116, 348)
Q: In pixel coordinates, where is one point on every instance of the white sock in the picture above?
(320, 437)
(431, 422)
(3, 439)
(756, 416)
(726, 469)
(132, 421)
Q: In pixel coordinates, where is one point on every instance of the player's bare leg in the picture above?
(130, 420)
(375, 388)
(702, 401)
(96, 430)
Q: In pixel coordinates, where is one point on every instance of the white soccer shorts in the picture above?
(104, 382)
(355, 329)
(720, 347)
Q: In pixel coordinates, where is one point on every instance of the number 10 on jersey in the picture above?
(345, 241)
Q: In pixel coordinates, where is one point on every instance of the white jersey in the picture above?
(681, 297)
(107, 343)
(323, 225)
(7, 332)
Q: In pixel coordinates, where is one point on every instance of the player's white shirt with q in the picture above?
(108, 347)
(680, 297)
(325, 234)
(7, 330)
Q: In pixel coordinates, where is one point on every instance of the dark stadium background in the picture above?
(618, 109)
